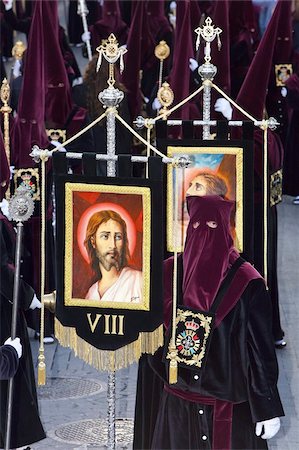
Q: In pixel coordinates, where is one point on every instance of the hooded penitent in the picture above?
(45, 92)
(179, 78)
(111, 22)
(208, 255)
(252, 95)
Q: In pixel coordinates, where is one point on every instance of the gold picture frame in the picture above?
(227, 163)
(133, 204)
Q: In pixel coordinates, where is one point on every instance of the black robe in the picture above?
(241, 368)
(26, 425)
(9, 362)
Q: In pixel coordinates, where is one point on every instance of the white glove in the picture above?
(85, 36)
(4, 208)
(193, 64)
(271, 427)
(172, 19)
(57, 144)
(156, 104)
(35, 303)
(16, 344)
(77, 81)
(16, 68)
(222, 105)
(172, 6)
(7, 4)
(284, 91)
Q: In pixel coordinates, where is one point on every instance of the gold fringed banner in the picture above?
(147, 342)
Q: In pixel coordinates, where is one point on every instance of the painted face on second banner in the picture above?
(108, 243)
(198, 186)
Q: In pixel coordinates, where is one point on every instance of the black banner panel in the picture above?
(109, 235)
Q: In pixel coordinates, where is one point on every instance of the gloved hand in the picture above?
(223, 106)
(86, 36)
(193, 64)
(16, 68)
(4, 208)
(57, 144)
(156, 104)
(35, 303)
(16, 344)
(172, 14)
(271, 427)
(284, 91)
(7, 4)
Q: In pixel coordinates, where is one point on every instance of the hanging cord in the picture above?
(233, 103)
(172, 350)
(41, 374)
(156, 151)
(170, 111)
(265, 128)
(73, 138)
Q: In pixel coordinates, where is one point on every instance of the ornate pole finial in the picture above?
(165, 96)
(6, 110)
(208, 32)
(18, 50)
(207, 71)
(162, 51)
(110, 50)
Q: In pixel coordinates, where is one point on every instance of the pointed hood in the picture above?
(29, 128)
(45, 91)
(221, 59)
(252, 95)
(111, 22)
(179, 78)
(58, 90)
(140, 49)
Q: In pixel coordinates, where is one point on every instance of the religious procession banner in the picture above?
(218, 167)
(109, 250)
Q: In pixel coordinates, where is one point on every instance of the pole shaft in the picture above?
(14, 328)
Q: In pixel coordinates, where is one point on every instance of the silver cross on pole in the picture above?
(111, 97)
(207, 71)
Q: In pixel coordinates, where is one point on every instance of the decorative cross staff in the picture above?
(20, 208)
(111, 97)
(207, 71)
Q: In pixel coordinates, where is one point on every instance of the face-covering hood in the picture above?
(209, 250)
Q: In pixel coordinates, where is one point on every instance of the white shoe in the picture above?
(296, 200)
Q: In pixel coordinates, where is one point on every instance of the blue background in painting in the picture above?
(206, 160)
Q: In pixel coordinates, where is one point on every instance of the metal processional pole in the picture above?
(207, 71)
(21, 207)
(111, 98)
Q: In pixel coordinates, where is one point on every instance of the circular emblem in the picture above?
(165, 95)
(162, 50)
(187, 343)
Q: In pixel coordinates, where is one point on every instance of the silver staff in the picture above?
(83, 11)
(207, 71)
(21, 207)
(111, 98)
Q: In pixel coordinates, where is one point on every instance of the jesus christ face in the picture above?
(108, 243)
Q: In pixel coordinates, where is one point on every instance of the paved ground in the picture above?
(76, 393)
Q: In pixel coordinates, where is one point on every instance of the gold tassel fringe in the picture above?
(173, 372)
(147, 342)
(41, 370)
